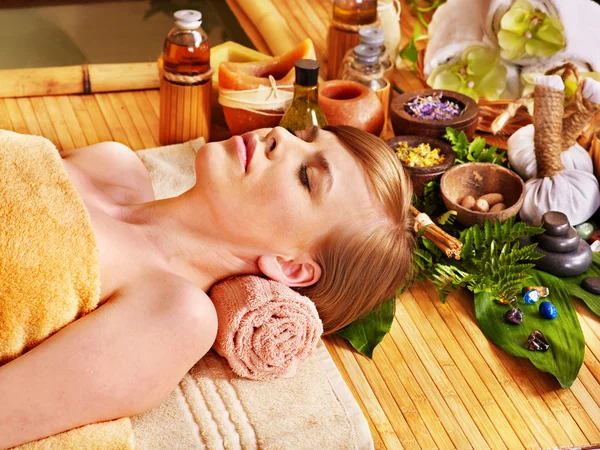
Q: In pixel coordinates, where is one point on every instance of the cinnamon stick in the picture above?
(451, 246)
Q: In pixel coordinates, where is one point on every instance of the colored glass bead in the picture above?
(594, 237)
(536, 342)
(514, 316)
(531, 297)
(585, 230)
(548, 310)
(543, 291)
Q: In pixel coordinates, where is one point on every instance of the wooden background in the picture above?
(435, 381)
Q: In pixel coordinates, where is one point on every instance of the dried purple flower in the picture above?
(432, 107)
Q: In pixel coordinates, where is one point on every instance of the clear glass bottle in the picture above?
(365, 68)
(374, 37)
(304, 111)
(185, 87)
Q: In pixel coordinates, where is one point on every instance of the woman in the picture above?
(326, 212)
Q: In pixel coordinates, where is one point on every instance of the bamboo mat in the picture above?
(435, 381)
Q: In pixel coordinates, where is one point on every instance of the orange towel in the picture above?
(265, 328)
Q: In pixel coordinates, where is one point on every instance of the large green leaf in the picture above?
(573, 285)
(565, 356)
(366, 333)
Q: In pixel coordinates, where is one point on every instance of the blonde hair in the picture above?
(365, 262)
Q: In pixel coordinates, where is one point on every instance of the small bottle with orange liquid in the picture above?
(185, 81)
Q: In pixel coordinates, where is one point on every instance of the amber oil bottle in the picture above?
(185, 81)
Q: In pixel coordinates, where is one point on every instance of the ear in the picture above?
(300, 272)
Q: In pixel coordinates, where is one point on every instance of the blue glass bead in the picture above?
(548, 310)
(531, 297)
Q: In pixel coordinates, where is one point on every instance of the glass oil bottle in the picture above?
(304, 111)
(349, 16)
(185, 81)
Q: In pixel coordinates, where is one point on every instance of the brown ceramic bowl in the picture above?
(420, 176)
(478, 179)
(404, 123)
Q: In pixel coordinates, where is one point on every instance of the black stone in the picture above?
(591, 284)
(555, 223)
(566, 264)
(536, 342)
(514, 316)
(559, 244)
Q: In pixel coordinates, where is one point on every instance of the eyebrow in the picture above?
(323, 164)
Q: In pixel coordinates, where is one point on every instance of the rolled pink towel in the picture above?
(265, 328)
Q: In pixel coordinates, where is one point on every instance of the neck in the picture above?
(188, 244)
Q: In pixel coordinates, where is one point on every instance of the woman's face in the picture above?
(273, 192)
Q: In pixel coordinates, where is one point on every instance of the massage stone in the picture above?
(556, 223)
(591, 284)
(562, 264)
(560, 244)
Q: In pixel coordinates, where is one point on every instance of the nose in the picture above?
(278, 142)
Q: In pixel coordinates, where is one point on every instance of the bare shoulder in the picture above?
(175, 305)
(114, 168)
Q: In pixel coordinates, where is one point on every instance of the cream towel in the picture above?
(49, 266)
(212, 408)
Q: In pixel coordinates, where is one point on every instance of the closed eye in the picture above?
(303, 176)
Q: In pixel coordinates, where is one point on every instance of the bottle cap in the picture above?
(307, 72)
(366, 54)
(371, 36)
(188, 19)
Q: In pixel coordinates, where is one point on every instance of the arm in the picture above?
(120, 360)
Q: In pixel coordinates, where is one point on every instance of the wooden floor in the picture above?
(435, 381)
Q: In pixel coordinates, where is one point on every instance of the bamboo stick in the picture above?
(84, 79)
(128, 99)
(410, 398)
(29, 115)
(148, 114)
(331, 342)
(387, 402)
(85, 120)
(420, 310)
(451, 387)
(274, 28)
(14, 112)
(71, 121)
(62, 131)
(441, 315)
(435, 396)
(43, 118)
(112, 121)
(100, 126)
(365, 391)
(129, 128)
(5, 122)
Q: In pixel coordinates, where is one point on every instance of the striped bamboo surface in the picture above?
(435, 381)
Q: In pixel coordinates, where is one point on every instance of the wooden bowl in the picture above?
(478, 179)
(420, 176)
(405, 124)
